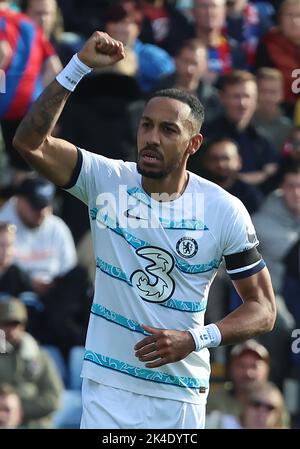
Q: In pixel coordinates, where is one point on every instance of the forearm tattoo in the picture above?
(43, 115)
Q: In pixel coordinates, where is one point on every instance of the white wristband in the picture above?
(206, 337)
(74, 71)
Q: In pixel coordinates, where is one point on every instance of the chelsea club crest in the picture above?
(187, 247)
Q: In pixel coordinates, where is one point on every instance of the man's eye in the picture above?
(168, 129)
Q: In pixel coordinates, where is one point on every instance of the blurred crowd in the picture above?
(242, 59)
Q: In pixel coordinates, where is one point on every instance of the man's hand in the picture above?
(164, 346)
(100, 50)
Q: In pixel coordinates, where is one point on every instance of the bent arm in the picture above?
(54, 158)
(256, 315)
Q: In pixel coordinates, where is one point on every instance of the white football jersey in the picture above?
(155, 263)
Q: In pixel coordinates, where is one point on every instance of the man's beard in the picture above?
(151, 174)
(157, 174)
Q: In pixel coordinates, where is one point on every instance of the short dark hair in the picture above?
(217, 140)
(7, 389)
(24, 4)
(290, 167)
(234, 78)
(191, 44)
(197, 109)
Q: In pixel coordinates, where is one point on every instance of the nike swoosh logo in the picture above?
(128, 214)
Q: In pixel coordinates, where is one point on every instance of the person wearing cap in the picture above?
(146, 363)
(27, 367)
(44, 246)
(249, 364)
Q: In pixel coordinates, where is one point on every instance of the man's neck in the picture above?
(190, 87)
(228, 182)
(268, 113)
(239, 125)
(173, 188)
(210, 38)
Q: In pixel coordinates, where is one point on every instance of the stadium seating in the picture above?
(58, 360)
(69, 414)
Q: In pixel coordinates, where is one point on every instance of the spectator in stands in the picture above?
(67, 306)
(245, 24)
(191, 69)
(221, 163)
(280, 48)
(60, 316)
(27, 368)
(249, 364)
(289, 152)
(164, 25)
(239, 99)
(47, 15)
(13, 279)
(83, 17)
(11, 413)
(224, 54)
(278, 220)
(153, 62)
(291, 294)
(269, 119)
(44, 244)
(263, 409)
(291, 148)
(33, 56)
(44, 13)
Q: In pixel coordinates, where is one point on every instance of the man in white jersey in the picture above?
(146, 363)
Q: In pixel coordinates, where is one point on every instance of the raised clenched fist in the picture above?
(101, 50)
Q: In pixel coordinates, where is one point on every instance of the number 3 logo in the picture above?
(160, 268)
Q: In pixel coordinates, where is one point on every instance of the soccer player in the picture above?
(146, 363)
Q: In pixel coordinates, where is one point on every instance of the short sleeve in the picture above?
(91, 176)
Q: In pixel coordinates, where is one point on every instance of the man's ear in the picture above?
(195, 143)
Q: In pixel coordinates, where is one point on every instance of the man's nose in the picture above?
(153, 137)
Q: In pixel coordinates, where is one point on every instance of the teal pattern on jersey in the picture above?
(177, 304)
(136, 243)
(144, 373)
(117, 318)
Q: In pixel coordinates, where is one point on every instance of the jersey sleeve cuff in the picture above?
(76, 171)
